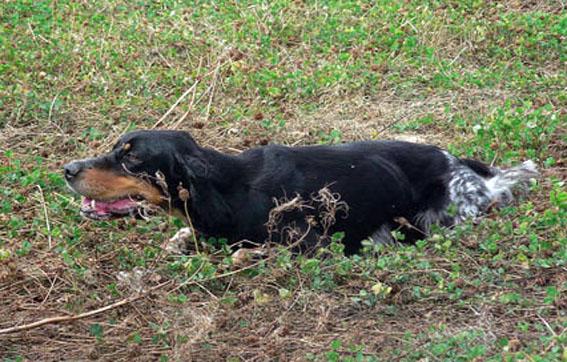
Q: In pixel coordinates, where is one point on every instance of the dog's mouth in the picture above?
(106, 210)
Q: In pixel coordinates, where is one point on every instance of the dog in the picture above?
(374, 187)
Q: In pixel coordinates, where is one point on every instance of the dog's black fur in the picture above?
(231, 196)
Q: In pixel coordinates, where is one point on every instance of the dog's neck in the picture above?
(210, 206)
(222, 169)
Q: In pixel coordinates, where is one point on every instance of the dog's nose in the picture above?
(71, 170)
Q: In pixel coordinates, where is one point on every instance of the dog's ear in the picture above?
(191, 167)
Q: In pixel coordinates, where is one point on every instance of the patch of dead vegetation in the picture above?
(543, 6)
(358, 118)
(355, 118)
(250, 329)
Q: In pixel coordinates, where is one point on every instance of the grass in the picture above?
(485, 79)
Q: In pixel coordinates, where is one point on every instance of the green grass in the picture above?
(485, 79)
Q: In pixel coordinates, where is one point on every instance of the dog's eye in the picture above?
(132, 158)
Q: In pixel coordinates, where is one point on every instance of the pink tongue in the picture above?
(107, 207)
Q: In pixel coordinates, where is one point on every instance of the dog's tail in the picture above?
(503, 182)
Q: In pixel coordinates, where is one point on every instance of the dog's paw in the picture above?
(245, 256)
(177, 243)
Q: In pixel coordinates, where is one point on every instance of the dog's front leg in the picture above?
(177, 244)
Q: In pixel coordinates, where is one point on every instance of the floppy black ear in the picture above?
(191, 167)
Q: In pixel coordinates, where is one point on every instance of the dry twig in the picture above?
(60, 319)
(175, 104)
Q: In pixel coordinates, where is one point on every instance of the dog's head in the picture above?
(143, 167)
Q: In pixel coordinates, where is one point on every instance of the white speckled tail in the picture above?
(501, 185)
(473, 194)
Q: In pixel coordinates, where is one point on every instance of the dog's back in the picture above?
(385, 181)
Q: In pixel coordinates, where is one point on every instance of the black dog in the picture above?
(364, 189)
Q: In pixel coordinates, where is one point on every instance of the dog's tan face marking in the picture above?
(106, 185)
(124, 181)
